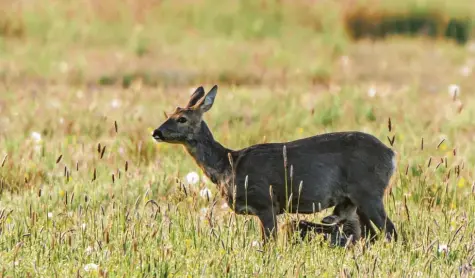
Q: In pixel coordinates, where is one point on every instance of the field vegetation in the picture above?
(86, 192)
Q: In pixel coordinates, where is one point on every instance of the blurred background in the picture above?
(70, 69)
(271, 42)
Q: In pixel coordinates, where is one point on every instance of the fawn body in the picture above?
(348, 170)
(343, 227)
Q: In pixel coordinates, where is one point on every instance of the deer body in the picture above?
(350, 169)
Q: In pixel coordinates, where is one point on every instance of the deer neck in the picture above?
(210, 155)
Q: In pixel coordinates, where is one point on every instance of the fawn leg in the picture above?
(304, 227)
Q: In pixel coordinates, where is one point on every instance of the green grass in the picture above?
(283, 74)
(52, 225)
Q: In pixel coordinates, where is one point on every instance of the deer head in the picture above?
(184, 124)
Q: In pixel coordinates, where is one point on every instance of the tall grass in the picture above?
(85, 191)
(147, 219)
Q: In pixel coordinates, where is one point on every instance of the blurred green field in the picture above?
(85, 191)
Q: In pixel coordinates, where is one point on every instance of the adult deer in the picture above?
(341, 169)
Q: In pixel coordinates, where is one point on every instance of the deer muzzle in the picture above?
(158, 135)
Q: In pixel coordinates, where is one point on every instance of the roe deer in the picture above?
(342, 169)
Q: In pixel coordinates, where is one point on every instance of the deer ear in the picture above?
(197, 95)
(207, 102)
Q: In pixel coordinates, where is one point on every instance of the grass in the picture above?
(144, 223)
(82, 183)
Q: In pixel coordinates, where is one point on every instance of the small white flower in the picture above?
(372, 92)
(36, 136)
(465, 71)
(443, 248)
(83, 226)
(205, 193)
(89, 250)
(192, 178)
(115, 103)
(255, 243)
(454, 90)
(225, 206)
(50, 215)
(91, 267)
(17, 263)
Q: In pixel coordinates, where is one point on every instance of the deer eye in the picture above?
(182, 120)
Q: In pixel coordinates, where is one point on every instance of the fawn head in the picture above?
(185, 123)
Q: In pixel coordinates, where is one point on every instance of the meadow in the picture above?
(86, 192)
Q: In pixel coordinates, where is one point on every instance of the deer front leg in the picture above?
(268, 219)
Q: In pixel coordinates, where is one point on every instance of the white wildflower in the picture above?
(192, 178)
(91, 267)
(115, 103)
(372, 92)
(454, 90)
(83, 226)
(17, 263)
(255, 243)
(36, 136)
(225, 206)
(50, 215)
(443, 248)
(205, 193)
(89, 250)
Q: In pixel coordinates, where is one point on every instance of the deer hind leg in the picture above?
(367, 230)
(375, 211)
(268, 221)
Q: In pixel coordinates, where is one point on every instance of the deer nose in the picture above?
(157, 135)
